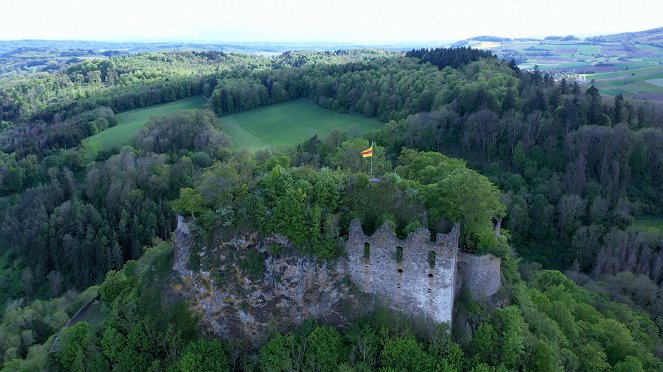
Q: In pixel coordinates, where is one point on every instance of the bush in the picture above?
(203, 356)
(253, 265)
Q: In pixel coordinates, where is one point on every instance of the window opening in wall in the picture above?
(429, 290)
(367, 250)
(399, 254)
(400, 271)
(431, 259)
(430, 275)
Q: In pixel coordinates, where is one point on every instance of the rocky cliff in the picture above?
(248, 287)
(290, 289)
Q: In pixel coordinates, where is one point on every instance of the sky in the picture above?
(356, 21)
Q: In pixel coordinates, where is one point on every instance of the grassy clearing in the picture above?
(131, 122)
(648, 224)
(288, 123)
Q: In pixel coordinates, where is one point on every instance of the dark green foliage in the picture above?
(275, 356)
(83, 228)
(141, 331)
(399, 254)
(638, 291)
(405, 353)
(121, 83)
(375, 203)
(27, 330)
(575, 171)
(556, 324)
(325, 348)
(41, 139)
(189, 203)
(453, 57)
(458, 194)
(78, 350)
(113, 285)
(186, 130)
(234, 95)
(253, 265)
(431, 259)
(313, 208)
(203, 356)
(301, 203)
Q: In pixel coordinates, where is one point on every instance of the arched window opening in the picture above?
(367, 251)
(400, 271)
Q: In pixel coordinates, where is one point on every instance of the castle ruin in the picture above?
(417, 275)
(414, 275)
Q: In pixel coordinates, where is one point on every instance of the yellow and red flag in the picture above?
(367, 153)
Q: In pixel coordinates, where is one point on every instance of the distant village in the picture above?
(569, 76)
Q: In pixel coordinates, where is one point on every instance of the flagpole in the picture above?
(372, 159)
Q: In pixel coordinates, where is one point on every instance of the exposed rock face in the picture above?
(182, 247)
(292, 288)
(415, 274)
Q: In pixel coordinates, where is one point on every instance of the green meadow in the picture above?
(288, 123)
(642, 83)
(270, 126)
(648, 224)
(130, 122)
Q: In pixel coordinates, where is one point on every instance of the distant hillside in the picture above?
(13, 48)
(651, 37)
(490, 38)
(561, 38)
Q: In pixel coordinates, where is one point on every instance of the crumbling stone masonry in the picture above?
(416, 275)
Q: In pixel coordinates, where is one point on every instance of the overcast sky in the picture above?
(329, 20)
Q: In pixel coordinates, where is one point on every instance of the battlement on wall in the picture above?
(415, 274)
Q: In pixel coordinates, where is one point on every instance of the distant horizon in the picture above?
(367, 22)
(331, 42)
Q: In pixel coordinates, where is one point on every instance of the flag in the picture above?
(367, 153)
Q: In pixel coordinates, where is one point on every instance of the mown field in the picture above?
(265, 127)
(644, 83)
(131, 122)
(288, 123)
(648, 224)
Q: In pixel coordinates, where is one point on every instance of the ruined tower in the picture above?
(416, 275)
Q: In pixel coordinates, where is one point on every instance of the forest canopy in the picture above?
(467, 138)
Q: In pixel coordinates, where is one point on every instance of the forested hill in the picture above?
(443, 57)
(653, 36)
(565, 170)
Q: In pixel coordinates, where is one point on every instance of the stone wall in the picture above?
(293, 288)
(479, 275)
(418, 281)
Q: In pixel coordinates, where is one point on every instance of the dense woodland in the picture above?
(564, 169)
